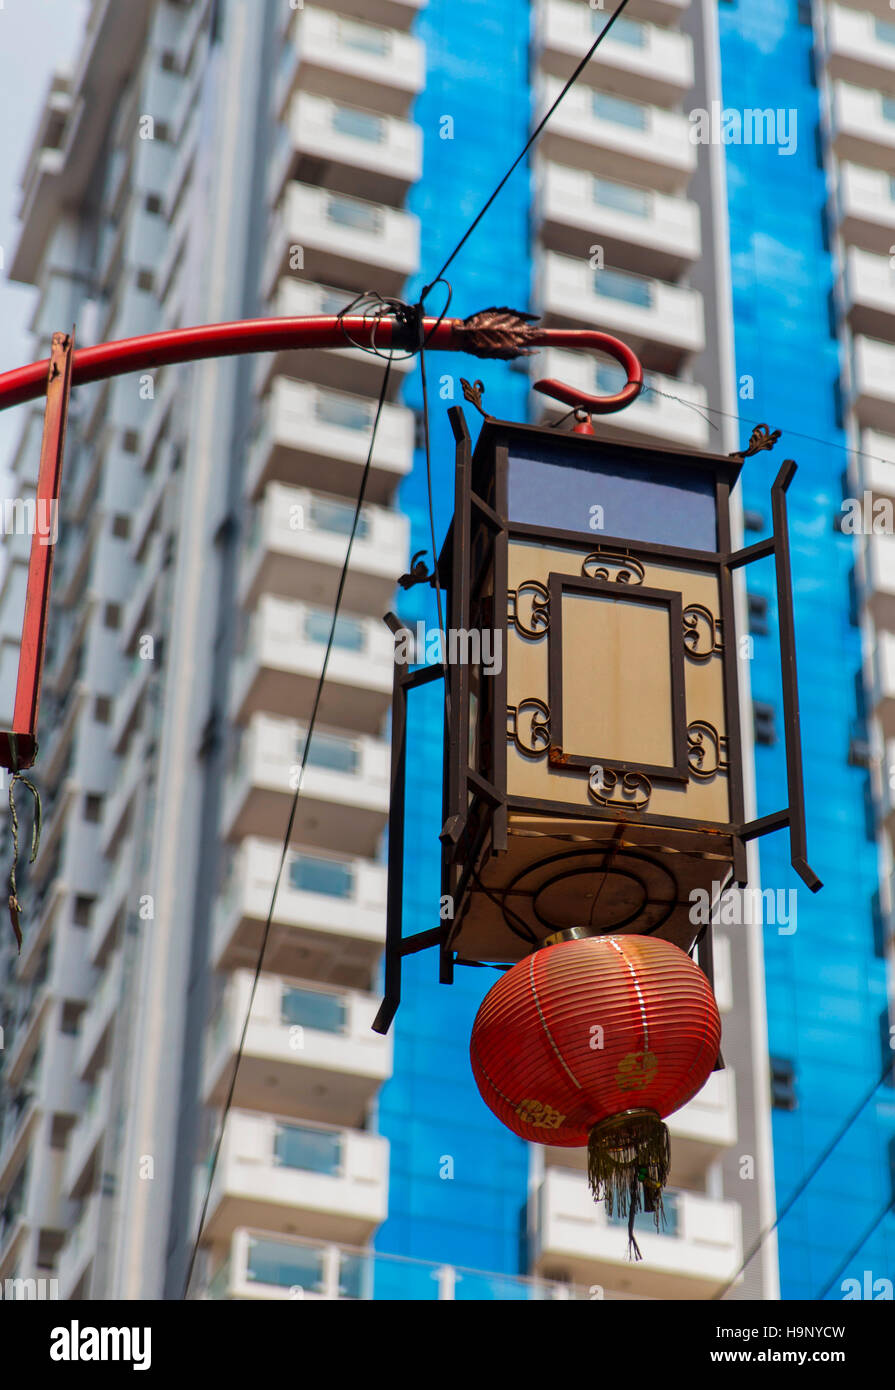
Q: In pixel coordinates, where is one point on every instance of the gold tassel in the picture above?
(628, 1160)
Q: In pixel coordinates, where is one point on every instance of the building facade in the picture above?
(204, 523)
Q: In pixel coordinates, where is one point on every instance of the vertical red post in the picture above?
(40, 567)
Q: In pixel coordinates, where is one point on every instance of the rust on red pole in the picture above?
(40, 567)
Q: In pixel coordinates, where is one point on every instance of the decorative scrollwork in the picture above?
(531, 732)
(633, 794)
(760, 438)
(702, 633)
(707, 750)
(539, 613)
(606, 565)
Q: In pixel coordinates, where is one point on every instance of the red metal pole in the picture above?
(40, 565)
(484, 335)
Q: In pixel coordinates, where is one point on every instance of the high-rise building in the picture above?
(207, 161)
(812, 241)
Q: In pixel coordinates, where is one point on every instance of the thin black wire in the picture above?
(528, 144)
(890, 1205)
(807, 1178)
(304, 759)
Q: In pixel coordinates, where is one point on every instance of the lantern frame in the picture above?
(476, 807)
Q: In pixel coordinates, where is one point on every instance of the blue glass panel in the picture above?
(313, 1150)
(616, 284)
(312, 1008)
(666, 503)
(329, 876)
(619, 111)
(285, 1266)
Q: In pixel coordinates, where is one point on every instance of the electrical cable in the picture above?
(806, 1179)
(528, 144)
(890, 1205)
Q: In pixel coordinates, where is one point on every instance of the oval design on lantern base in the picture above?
(593, 1041)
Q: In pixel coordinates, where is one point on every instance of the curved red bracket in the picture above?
(583, 339)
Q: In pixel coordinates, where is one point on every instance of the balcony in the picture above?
(261, 1266)
(346, 148)
(397, 14)
(336, 368)
(297, 1180)
(638, 229)
(880, 667)
(279, 669)
(662, 323)
(309, 436)
(80, 1247)
(860, 47)
(297, 542)
(328, 922)
(97, 1020)
(344, 794)
(633, 57)
(309, 1053)
(333, 238)
(862, 125)
(350, 60)
(694, 1258)
(868, 293)
(617, 137)
(866, 207)
(878, 464)
(85, 1138)
(653, 418)
(873, 384)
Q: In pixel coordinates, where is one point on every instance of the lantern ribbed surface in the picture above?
(586, 1029)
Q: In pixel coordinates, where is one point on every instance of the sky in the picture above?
(36, 38)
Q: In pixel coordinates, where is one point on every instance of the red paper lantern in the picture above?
(593, 1041)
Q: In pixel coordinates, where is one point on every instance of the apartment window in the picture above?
(623, 30)
(311, 1150)
(351, 212)
(348, 414)
(312, 1008)
(348, 635)
(362, 125)
(329, 876)
(285, 1266)
(102, 709)
(329, 514)
(618, 284)
(333, 301)
(93, 808)
(869, 812)
(112, 615)
(621, 196)
(885, 30)
(758, 615)
(889, 108)
(887, 1047)
(783, 1084)
(892, 187)
(121, 527)
(753, 521)
(332, 753)
(130, 441)
(619, 111)
(153, 204)
(763, 720)
(364, 38)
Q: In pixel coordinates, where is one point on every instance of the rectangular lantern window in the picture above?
(622, 647)
(665, 503)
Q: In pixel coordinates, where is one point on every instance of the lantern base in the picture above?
(628, 1160)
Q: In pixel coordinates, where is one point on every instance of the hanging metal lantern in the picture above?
(593, 1042)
